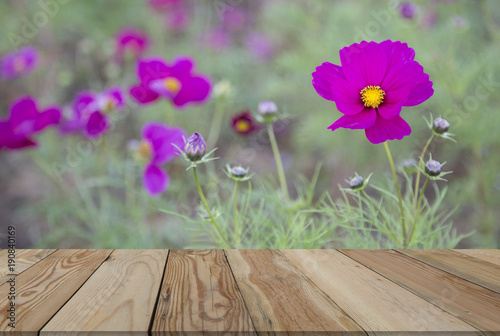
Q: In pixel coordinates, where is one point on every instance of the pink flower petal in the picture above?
(116, 93)
(22, 110)
(398, 54)
(96, 125)
(152, 68)
(182, 67)
(162, 137)
(51, 116)
(155, 180)
(421, 92)
(193, 89)
(330, 83)
(142, 94)
(365, 63)
(82, 102)
(389, 110)
(362, 120)
(383, 130)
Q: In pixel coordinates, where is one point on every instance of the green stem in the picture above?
(204, 201)
(170, 114)
(417, 180)
(403, 222)
(380, 212)
(277, 158)
(418, 211)
(236, 229)
(214, 133)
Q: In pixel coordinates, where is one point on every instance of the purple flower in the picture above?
(90, 112)
(195, 147)
(130, 40)
(260, 46)
(373, 84)
(19, 63)
(175, 82)
(156, 149)
(408, 10)
(24, 121)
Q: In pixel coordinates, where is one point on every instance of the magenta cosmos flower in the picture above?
(156, 149)
(19, 63)
(130, 40)
(374, 82)
(175, 82)
(91, 110)
(24, 121)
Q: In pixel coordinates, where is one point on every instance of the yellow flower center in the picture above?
(144, 151)
(19, 64)
(172, 84)
(242, 126)
(372, 96)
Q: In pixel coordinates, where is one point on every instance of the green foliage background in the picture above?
(89, 194)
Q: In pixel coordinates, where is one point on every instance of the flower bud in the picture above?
(238, 172)
(440, 126)
(433, 168)
(356, 182)
(195, 147)
(267, 108)
(267, 112)
(223, 89)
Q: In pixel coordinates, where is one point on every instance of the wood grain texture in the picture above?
(374, 302)
(492, 256)
(24, 260)
(475, 270)
(119, 297)
(281, 299)
(43, 288)
(471, 303)
(200, 297)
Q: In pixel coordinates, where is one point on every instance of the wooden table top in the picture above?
(252, 292)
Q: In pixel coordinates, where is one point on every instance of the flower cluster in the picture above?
(91, 112)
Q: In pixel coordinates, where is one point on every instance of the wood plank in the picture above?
(476, 305)
(24, 259)
(45, 287)
(478, 271)
(281, 299)
(119, 297)
(199, 296)
(372, 301)
(492, 256)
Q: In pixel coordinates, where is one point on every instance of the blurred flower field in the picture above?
(217, 123)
